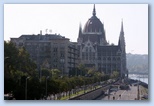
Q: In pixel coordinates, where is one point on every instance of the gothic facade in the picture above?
(95, 52)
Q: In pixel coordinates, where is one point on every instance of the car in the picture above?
(114, 89)
(144, 97)
(7, 97)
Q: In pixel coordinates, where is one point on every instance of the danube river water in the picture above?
(143, 78)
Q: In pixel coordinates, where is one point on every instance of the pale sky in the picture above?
(64, 19)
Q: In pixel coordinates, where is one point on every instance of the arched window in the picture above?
(114, 59)
(86, 49)
(90, 49)
(109, 58)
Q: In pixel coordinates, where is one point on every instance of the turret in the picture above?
(80, 33)
(121, 42)
(121, 45)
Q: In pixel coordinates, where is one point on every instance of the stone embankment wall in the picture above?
(90, 95)
(141, 83)
(144, 84)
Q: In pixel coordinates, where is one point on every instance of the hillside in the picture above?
(137, 63)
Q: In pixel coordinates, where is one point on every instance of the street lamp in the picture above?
(84, 87)
(26, 89)
(46, 85)
(69, 85)
(138, 93)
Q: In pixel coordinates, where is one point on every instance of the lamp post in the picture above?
(26, 89)
(69, 85)
(138, 93)
(46, 86)
(84, 84)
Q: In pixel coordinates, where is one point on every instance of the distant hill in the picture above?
(137, 63)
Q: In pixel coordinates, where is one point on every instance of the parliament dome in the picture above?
(93, 24)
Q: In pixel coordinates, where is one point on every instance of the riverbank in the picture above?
(140, 83)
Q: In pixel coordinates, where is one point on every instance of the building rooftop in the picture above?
(45, 37)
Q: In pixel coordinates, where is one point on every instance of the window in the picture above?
(86, 49)
(61, 55)
(109, 58)
(93, 54)
(83, 57)
(55, 65)
(62, 60)
(118, 58)
(55, 49)
(55, 60)
(90, 49)
(20, 44)
(86, 53)
(114, 58)
(86, 57)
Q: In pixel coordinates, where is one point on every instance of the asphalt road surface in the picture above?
(130, 94)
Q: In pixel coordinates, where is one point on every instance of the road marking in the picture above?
(121, 95)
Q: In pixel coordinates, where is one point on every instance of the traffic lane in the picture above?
(122, 94)
(113, 95)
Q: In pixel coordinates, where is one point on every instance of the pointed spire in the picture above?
(121, 41)
(94, 11)
(80, 27)
(80, 30)
(79, 40)
(122, 29)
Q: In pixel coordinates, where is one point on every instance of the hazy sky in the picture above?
(64, 19)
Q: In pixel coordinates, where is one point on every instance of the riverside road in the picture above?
(130, 94)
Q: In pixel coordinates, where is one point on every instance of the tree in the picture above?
(82, 70)
(25, 63)
(55, 73)
(10, 56)
(46, 72)
(115, 74)
(17, 66)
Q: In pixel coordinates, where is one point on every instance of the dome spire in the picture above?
(94, 11)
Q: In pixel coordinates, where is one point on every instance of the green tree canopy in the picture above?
(17, 64)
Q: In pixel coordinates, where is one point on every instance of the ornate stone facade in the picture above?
(96, 52)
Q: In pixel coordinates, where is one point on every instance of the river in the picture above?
(143, 78)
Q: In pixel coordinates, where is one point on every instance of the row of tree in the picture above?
(21, 75)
